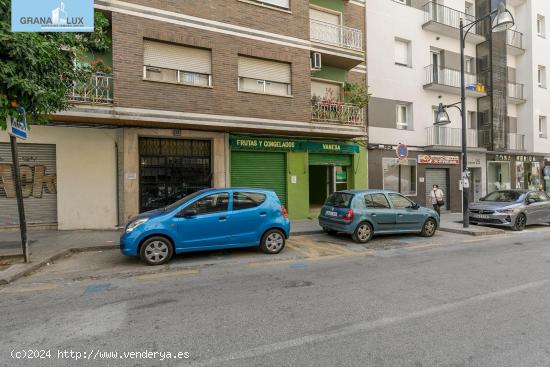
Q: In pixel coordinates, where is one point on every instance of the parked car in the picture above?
(209, 219)
(364, 213)
(512, 208)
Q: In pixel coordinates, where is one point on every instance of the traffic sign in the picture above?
(17, 126)
(402, 151)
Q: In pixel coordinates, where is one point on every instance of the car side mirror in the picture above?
(415, 206)
(187, 213)
(531, 201)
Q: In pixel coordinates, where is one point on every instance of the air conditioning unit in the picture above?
(316, 60)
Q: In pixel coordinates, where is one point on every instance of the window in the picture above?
(264, 76)
(164, 62)
(541, 26)
(247, 200)
(402, 52)
(543, 127)
(402, 114)
(400, 202)
(214, 203)
(469, 8)
(339, 200)
(400, 175)
(542, 76)
(376, 201)
(284, 4)
(469, 65)
(324, 90)
(472, 120)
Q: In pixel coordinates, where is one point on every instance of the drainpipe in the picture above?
(117, 186)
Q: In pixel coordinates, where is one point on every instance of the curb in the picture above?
(30, 268)
(302, 233)
(472, 233)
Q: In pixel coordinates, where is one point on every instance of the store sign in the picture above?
(474, 162)
(526, 158)
(503, 158)
(438, 159)
(274, 144)
(52, 16)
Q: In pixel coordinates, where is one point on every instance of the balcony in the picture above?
(515, 142)
(337, 112)
(96, 89)
(448, 81)
(444, 136)
(340, 46)
(514, 42)
(446, 21)
(515, 93)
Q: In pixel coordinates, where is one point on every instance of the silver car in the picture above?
(512, 208)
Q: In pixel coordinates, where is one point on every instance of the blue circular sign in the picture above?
(402, 151)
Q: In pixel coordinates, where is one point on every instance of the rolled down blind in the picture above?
(281, 3)
(165, 55)
(401, 52)
(274, 71)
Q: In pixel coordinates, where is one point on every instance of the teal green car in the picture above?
(366, 213)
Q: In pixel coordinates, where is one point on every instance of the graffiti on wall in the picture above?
(34, 181)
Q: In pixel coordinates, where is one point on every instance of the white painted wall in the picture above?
(386, 20)
(86, 180)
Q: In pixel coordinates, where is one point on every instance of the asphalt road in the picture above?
(401, 301)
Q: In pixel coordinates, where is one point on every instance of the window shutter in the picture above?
(165, 55)
(280, 3)
(324, 16)
(274, 71)
(401, 52)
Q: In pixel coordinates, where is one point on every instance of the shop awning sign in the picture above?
(275, 144)
(438, 159)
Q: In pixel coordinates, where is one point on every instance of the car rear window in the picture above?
(339, 200)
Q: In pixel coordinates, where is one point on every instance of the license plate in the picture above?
(481, 216)
(329, 213)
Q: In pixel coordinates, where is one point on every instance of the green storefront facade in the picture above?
(301, 172)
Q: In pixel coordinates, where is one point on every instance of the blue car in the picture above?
(365, 213)
(210, 219)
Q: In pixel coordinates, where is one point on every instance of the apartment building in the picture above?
(416, 67)
(198, 94)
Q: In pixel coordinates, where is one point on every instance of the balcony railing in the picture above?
(449, 136)
(337, 112)
(515, 90)
(515, 141)
(335, 35)
(450, 77)
(514, 38)
(434, 12)
(97, 89)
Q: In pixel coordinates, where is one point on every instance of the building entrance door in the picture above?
(327, 173)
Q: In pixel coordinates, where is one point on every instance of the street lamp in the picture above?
(502, 21)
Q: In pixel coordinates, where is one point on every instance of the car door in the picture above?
(407, 218)
(534, 208)
(542, 207)
(249, 216)
(208, 225)
(379, 212)
(546, 207)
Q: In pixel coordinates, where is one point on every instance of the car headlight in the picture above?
(507, 211)
(133, 225)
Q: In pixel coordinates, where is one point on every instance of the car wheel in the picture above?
(329, 231)
(273, 242)
(156, 251)
(521, 221)
(429, 228)
(363, 233)
(473, 223)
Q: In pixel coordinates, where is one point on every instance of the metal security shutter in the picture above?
(165, 55)
(274, 71)
(260, 170)
(436, 177)
(39, 177)
(324, 17)
(329, 159)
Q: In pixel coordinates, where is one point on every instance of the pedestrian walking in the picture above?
(437, 196)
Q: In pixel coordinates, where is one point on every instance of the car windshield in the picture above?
(339, 200)
(504, 196)
(183, 200)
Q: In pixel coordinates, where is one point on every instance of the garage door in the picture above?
(39, 184)
(260, 170)
(436, 177)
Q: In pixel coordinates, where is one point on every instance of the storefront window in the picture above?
(400, 175)
(520, 173)
(498, 176)
(528, 176)
(341, 176)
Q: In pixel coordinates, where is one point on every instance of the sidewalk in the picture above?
(47, 246)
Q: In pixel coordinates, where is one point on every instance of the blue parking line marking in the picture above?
(297, 266)
(97, 288)
(410, 240)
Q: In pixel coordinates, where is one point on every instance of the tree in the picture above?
(36, 69)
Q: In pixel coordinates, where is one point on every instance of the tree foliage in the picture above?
(36, 69)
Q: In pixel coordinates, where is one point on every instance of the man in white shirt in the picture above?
(437, 196)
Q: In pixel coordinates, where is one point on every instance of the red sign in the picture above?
(438, 159)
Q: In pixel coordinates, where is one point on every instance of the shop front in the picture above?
(506, 171)
(415, 174)
(302, 172)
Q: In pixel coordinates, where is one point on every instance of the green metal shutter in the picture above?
(329, 159)
(262, 170)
